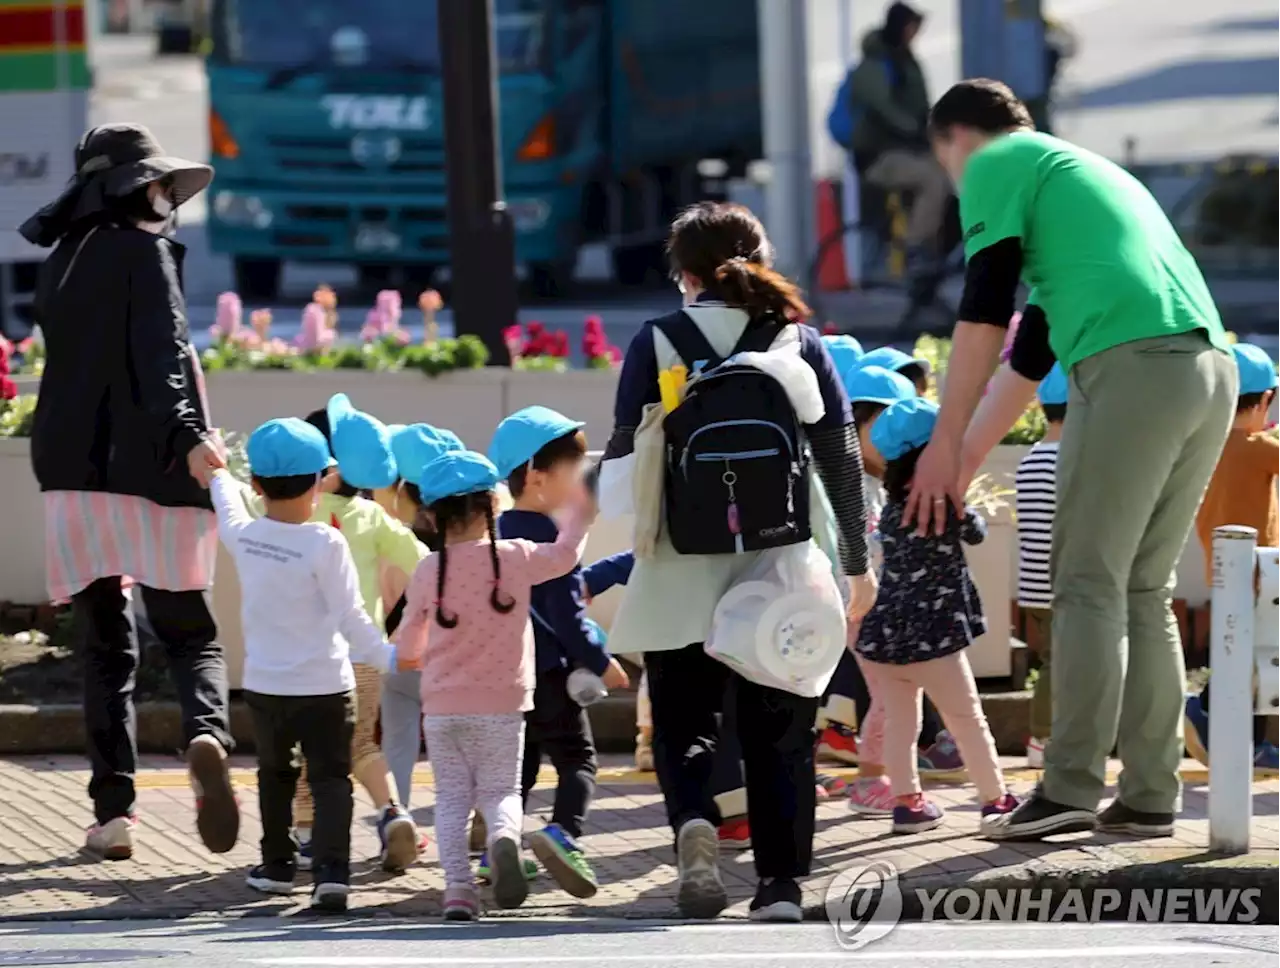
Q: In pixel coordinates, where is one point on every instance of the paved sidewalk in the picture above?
(44, 874)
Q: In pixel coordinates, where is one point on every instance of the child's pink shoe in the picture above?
(991, 812)
(872, 797)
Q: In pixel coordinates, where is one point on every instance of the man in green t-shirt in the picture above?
(1121, 303)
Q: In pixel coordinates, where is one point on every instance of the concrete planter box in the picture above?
(585, 395)
(469, 402)
(21, 526)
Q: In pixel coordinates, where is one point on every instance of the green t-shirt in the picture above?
(1101, 257)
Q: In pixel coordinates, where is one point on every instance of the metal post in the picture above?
(1231, 712)
(784, 82)
(481, 237)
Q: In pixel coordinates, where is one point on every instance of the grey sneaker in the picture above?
(700, 892)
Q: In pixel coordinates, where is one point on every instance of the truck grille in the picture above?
(337, 155)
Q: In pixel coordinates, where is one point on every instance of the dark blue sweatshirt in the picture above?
(598, 578)
(560, 632)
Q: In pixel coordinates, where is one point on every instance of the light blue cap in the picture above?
(456, 472)
(1257, 371)
(362, 445)
(520, 436)
(893, 359)
(875, 384)
(417, 445)
(1053, 388)
(904, 426)
(287, 447)
(845, 352)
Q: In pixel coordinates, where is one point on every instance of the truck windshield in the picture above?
(315, 35)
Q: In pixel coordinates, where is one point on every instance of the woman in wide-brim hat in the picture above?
(123, 448)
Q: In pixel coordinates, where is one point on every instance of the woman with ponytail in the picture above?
(466, 624)
(721, 261)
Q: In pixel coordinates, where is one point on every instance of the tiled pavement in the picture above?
(44, 874)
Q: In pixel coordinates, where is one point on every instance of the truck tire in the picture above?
(550, 280)
(632, 264)
(257, 279)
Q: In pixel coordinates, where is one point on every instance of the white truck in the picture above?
(44, 108)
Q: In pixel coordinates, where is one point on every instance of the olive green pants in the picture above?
(1145, 425)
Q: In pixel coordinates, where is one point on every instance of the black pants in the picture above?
(775, 729)
(726, 762)
(558, 727)
(1259, 722)
(848, 682)
(323, 726)
(183, 624)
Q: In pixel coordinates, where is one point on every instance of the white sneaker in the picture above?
(112, 840)
(700, 892)
(1035, 754)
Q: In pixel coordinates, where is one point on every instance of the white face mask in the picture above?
(162, 205)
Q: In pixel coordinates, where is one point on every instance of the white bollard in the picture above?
(1231, 710)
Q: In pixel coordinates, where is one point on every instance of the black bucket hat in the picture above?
(111, 161)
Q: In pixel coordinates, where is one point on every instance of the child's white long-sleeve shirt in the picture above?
(301, 607)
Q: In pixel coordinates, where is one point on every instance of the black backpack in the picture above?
(737, 469)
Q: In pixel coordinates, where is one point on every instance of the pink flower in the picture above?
(7, 348)
(260, 320)
(315, 334)
(229, 315)
(615, 355)
(389, 308)
(277, 347)
(430, 301)
(8, 389)
(373, 326)
(24, 347)
(248, 339)
(400, 337)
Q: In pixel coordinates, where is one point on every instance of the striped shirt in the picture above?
(93, 534)
(1036, 501)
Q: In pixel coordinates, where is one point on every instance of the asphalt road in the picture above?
(373, 944)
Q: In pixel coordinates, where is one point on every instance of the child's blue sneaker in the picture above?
(1195, 729)
(302, 858)
(564, 861)
(942, 758)
(1264, 758)
(399, 839)
(917, 817)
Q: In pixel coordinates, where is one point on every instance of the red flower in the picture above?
(615, 355)
(829, 329)
(560, 344)
(8, 389)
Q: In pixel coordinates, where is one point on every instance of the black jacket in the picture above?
(119, 407)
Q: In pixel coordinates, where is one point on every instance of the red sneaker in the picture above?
(422, 843)
(735, 834)
(838, 743)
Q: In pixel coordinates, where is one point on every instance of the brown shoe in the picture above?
(217, 810)
(479, 834)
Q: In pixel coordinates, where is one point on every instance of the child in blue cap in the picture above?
(361, 445)
(915, 369)
(413, 447)
(1035, 486)
(1242, 491)
(913, 639)
(304, 620)
(466, 622)
(541, 455)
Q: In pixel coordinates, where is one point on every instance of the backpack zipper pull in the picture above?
(731, 512)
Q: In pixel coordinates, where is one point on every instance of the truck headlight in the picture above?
(528, 214)
(242, 210)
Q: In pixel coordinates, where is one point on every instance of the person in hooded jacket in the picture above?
(890, 148)
(123, 451)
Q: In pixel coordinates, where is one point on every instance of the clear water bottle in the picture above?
(586, 688)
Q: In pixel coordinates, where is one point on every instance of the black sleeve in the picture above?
(1030, 356)
(991, 284)
(157, 350)
(637, 387)
(839, 460)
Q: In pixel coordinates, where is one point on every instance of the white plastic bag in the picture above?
(783, 624)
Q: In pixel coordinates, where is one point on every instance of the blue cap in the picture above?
(287, 447)
(362, 445)
(902, 428)
(416, 446)
(455, 472)
(524, 433)
(875, 384)
(1257, 372)
(893, 359)
(1053, 388)
(845, 352)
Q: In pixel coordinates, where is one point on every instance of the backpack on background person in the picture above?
(844, 116)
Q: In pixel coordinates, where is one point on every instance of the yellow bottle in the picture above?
(667, 389)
